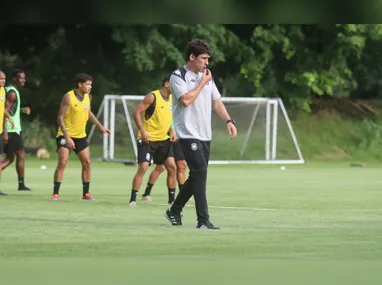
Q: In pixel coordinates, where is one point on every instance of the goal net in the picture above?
(265, 133)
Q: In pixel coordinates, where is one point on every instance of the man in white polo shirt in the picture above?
(194, 94)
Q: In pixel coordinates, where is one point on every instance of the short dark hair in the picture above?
(16, 72)
(83, 77)
(166, 78)
(197, 47)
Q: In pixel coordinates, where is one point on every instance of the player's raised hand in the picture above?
(232, 130)
(207, 76)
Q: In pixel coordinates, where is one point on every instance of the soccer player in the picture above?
(180, 171)
(15, 145)
(3, 114)
(195, 95)
(153, 141)
(73, 115)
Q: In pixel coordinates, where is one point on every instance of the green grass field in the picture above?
(309, 224)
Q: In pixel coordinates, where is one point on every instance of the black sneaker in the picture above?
(174, 219)
(207, 226)
(24, 188)
(3, 194)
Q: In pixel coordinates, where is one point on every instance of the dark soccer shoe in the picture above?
(174, 219)
(24, 188)
(207, 226)
(3, 194)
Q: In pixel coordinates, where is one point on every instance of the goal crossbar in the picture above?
(272, 106)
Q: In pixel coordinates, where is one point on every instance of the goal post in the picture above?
(265, 133)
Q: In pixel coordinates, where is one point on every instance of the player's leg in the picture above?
(9, 151)
(20, 161)
(194, 156)
(197, 156)
(83, 152)
(63, 156)
(171, 178)
(144, 159)
(1, 154)
(181, 166)
(164, 154)
(152, 179)
(180, 163)
(173, 214)
(20, 169)
(200, 193)
(137, 182)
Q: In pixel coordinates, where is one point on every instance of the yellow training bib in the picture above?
(2, 104)
(76, 116)
(157, 119)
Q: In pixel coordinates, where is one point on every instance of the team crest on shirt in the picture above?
(170, 108)
(86, 106)
(194, 146)
(2, 98)
(148, 156)
(63, 141)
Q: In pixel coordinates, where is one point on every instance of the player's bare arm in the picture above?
(189, 98)
(5, 131)
(142, 106)
(95, 121)
(60, 120)
(11, 99)
(221, 111)
(8, 117)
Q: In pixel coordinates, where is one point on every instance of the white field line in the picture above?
(223, 207)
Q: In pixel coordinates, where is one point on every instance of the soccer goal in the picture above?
(265, 133)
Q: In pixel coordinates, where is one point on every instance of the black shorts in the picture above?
(178, 152)
(1, 144)
(157, 151)
(15, 143)
(79, 143)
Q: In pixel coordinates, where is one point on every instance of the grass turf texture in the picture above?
(311, 224)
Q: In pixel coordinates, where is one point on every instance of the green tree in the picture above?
(297, 61)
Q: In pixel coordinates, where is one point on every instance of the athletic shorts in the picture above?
(178, 152)
(1, 144)
(79, 143)
(158, 151)
(15, 143)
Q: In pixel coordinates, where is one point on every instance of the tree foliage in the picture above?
(294, 62)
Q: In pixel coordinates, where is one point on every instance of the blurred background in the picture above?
(329, 76)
